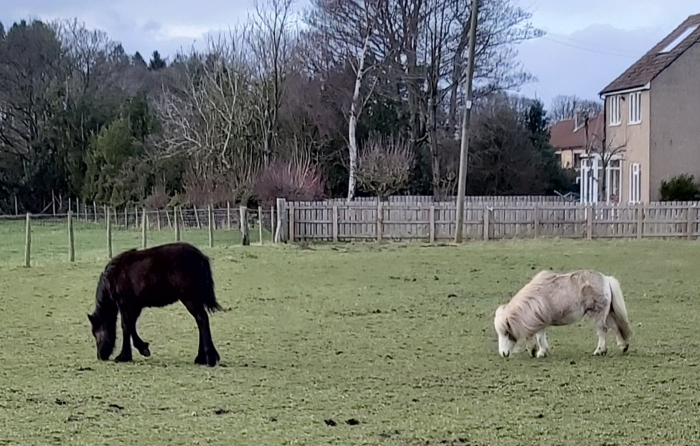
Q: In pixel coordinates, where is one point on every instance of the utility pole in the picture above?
(464, 152)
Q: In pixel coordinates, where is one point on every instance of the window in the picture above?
(591, 169)
(635, 107)
(577, 162)
(613, 181)
(614, 110)
(688, 31)
(635, 183)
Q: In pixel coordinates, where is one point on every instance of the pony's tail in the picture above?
(209, 296)
(619, 309)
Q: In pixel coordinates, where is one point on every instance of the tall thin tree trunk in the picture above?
(352, 122)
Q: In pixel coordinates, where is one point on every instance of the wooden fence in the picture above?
(408, 200)
(340, 221)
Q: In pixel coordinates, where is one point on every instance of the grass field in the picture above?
(396, 337)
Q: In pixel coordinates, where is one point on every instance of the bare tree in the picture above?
(427, 42)
(606, 150)
(206, 114)
(566, 107)
(385, 165)
(271, 41)
(348, 27)
(32, 69)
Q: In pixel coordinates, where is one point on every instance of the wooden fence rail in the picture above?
(338, 221)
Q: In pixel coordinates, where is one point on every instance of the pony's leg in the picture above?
(140, 344)
(207, 353)
(621, 343)
(126, 316)
(601, 331)
(542, 346)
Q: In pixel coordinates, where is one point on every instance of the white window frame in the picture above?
(635, 189)
(635, 107)
(609, 169)
(589, 178)
(614, 110)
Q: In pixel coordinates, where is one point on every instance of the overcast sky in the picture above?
(588, 43)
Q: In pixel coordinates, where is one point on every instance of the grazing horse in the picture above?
(552, 299)
(153, 277)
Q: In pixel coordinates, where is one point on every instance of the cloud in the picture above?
(588, 43)
(584, 62)
(586, 46)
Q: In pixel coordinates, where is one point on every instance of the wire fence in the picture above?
(100, 232)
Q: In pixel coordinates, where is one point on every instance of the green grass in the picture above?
(398, 337)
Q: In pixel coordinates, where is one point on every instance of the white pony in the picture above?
(552, 299)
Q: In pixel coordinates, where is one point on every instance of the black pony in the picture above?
(153, 277)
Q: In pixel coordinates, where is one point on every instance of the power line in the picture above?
(589, 49)
(592, 46)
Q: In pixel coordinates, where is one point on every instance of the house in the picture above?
(652, 117)
(571, 138)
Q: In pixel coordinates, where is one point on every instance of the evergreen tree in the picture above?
(157, 62)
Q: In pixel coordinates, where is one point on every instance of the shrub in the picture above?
(680, 188)
(286, 179)
(384, 166)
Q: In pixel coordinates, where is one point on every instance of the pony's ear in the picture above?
(91, 318)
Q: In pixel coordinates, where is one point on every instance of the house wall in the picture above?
(634, 140)
(675, 120)
(566, 157)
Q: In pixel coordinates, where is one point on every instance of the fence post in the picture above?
(94, 206)
(28, 242)
(126, 217)
(196, 217)
(228, 215)
(380, 220)
(537, 221)
(16, 206)
(690, 222)
(167, 215)
(272, 223)
(77, 207)
(291, 222)
(245, 238)
(109, 233)
(335, 223)
(144, 227)
(640, 221)
(210, 216)
(487, 222)
(432, 223)
(589, 221)
(260, 223)
(71, 238)
(177, 224)
(281, 221)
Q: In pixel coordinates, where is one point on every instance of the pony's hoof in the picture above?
(626, 348)
(541, 354)
(534, 352)
(210, 359)
(600, 353)
(123, 358)
(213, 359)
(145, 351)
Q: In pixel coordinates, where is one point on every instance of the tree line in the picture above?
(359, 97)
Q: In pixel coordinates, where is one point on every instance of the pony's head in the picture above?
(506, 340)
(104, 320)
(104, 333)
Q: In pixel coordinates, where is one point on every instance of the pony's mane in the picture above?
(524, 313)
(105, 308)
